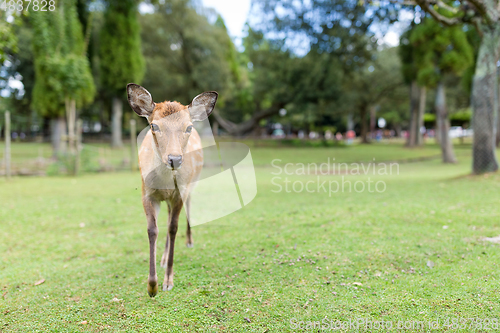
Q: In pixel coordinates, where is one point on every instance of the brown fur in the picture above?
(166, 108)
(171, 136)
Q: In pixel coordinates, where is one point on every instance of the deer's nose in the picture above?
(175, 161)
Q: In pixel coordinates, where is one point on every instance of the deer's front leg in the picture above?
(189, 236)
(168, 282)
(151, 208)
(164, 257)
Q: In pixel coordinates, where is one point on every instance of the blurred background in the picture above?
(288, 73)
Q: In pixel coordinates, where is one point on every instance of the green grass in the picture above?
(87, 238)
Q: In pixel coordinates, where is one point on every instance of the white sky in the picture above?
(234, 13)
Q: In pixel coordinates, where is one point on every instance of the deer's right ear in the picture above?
(140, 100)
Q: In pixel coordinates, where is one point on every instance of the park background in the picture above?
(299, 78)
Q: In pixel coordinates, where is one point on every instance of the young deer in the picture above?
(171, 153)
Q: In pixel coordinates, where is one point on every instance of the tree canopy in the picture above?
(120, 53)
(62, 70)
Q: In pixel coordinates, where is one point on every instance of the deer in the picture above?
(169, 141)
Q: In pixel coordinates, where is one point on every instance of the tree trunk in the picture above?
(373, 114)
(420, 117)
(57, 130)
(498, 112)
(364, 125)
(397, 129)
(71, 121)
(437, 132)
(413, 114)
(444, 128)
(116, 123)
(484, 103)
(350, 122)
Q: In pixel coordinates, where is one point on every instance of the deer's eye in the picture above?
(189, 129)
(155, 128)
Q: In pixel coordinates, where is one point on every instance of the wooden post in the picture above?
(7, 145)
(78, 144)
(133, 145)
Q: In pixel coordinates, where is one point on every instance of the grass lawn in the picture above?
(413, 252)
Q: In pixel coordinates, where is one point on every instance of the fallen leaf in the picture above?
(357, 283)
(83, 322)
(37, 283)
(430, 264)
(247, 319)
(116, 299)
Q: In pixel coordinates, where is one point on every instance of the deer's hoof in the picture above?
(152, 289)
(168, 287)
(189, 245)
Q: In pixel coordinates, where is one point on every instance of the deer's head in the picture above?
(171, 122)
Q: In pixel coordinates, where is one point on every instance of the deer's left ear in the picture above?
(202, 105)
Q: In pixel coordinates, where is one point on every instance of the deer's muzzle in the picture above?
(175, 161)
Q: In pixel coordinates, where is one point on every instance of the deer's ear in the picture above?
(202, 105)
(140, 100)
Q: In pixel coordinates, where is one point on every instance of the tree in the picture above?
(8, 40)
(279, 79)
(63, 80)
(269, 73)
(417, 94)
(121, 59)
(438, 52)
(338, 32)
(18, 65)
(185, 54)
(366, 88)
(485, 15)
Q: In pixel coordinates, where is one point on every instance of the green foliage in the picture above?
(20, 66)
(306, 85)
(474, 40)
(186, 54)
(120, 53)
(340, 28)
(406, 55)
(380, 84)
(439, 50)
(429, 118)
(62, 70)
(8, 39)
(464, 115)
